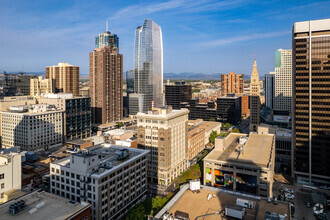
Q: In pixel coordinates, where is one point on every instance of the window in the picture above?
(2, 185)
(2, 176)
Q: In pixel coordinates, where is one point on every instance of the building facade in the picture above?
(106, 81)
(130, 80)
(77, 114)
(15, 84)
(270, 89)
(254, 98)
(311, 98)
(111, 178)
(32, 128)
(148, 66)
(164, 132)
(41, 86)
(66, 78)
(206, 111)
(177, 93)
(10, 173)
(232, 83)
(196, 141)
(283, 79)
(229, 109)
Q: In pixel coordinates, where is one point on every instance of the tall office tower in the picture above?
(232, 83)
(254, 99)
(283, 79)
(106, 80)
(270, 89)
(177, 93)
(164, 132)
(130, 80)
(148, 64)
(229, 109)
(311, 101)
(66, 78)
(41, 86)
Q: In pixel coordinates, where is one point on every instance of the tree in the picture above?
(211, 119)
(213, 135)
(137, 212)
(236, 130)
(120, 124)
(227, 125)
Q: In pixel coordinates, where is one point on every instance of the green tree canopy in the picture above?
(213, 135)
(236, 130)
(120, 124)
(227, 125)
(137, 212)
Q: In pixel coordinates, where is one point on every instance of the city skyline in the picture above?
(197, 36)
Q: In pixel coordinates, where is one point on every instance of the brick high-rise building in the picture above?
(254, 99)
(106, 80)
(66, 78)
(232, 83)
(311, 101)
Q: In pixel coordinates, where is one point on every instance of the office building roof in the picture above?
(52, 207)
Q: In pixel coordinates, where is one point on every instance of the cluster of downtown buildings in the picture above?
(172, 128)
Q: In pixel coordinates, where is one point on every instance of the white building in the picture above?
(10, 173)
(270, 89)
(164, 132)
(32, 128)
(283, 79)
(111, 178)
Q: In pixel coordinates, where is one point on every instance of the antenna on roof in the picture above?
(107, 25)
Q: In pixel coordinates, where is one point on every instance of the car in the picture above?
(308, 204)
(286, 190)
(289, 196)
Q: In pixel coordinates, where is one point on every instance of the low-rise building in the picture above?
(208, 127)
(111, 178)
(32, 128)
(43, 205)
(77, 115)
(196, 141)
(243, 163)
(118, 134)
(10, 173)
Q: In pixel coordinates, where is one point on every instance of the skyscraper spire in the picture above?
(254, 98)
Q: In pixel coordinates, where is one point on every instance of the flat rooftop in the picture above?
(55, 207)
(208, 125)
(106, 153)
(196, 204)
(256, 152)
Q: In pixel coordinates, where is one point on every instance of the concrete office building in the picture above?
(283, 145)
(106, 80)
(283, 80)
(241, 162)
(148, 66)
(229, 109)
(15, 84)
(270, 89)
(77, 114)
(232, 83)
(110, 178)
(206, 111)
(32, 128)
(41, 86)
(177, 93)
(10, 173)
(207, 126)
(164, 132)
(43, 205)
(66, 78)
(311, 101)
(254, 98)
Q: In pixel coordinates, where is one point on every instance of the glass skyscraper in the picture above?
(148, 65)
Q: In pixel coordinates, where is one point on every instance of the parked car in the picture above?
(286, 190)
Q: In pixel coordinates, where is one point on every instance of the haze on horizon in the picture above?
(207, 36)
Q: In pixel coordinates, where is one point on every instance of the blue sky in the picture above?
(206, 36)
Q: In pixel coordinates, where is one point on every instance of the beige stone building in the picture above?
(242, 162)
(66, 78)
(164, 132)
(10, 174)
(33, 127)
(41, 86)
